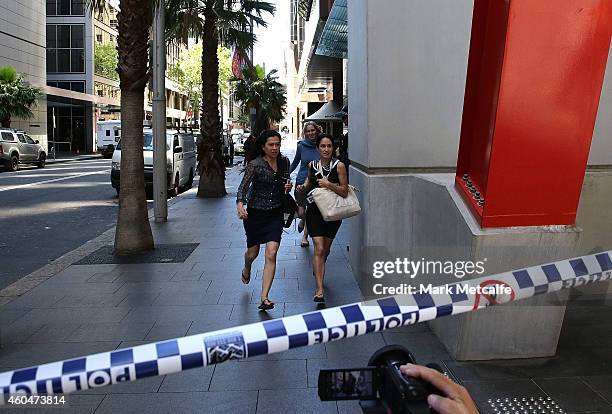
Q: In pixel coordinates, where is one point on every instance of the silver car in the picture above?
(180, 158)
(16, 147)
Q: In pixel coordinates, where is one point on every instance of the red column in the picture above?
(535, 74)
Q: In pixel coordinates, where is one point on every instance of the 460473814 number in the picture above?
(36, 400)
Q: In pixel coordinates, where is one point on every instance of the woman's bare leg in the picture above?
(318, 263)
(249, 257)
(302, 216)
(269, 268)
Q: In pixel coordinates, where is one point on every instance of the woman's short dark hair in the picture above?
(263, 138)
(328, 136)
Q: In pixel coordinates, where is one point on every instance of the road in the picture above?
(49, 212)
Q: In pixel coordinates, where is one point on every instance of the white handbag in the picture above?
(332, 206)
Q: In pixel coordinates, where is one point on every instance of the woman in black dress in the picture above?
(265, 180)
(331, 174)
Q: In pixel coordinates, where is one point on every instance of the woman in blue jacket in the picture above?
(306, 152)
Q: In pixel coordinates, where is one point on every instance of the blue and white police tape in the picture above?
(176, 355)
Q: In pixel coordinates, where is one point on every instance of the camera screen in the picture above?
(349, 384)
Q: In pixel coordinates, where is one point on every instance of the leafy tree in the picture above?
(17, 97)
(215, 22)
(264, 93)
(106, 60)
(225, 69)
(188, 73)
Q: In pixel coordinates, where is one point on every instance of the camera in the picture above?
(381, 387)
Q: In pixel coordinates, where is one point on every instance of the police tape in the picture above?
(176, 355)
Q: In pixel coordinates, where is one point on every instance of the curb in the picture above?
(83, 158)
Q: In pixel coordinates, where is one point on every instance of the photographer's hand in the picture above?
(456, 400)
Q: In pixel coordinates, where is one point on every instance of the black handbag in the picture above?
(290, 207)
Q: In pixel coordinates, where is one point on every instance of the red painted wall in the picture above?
(535, 74)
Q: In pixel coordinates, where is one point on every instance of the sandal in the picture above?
(245, 280)
(266, 304)
(304, 243)
(319, 298)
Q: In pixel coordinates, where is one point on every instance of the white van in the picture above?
(180, 156)
(108, 134)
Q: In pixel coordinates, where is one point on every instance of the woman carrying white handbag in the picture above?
(327, 173)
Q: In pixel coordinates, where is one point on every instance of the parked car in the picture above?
(16, 147)
(108, 134)
(238, 140)
(180, 158)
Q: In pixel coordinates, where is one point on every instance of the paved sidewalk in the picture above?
(92, 308)
(71, 157)
(86, 309)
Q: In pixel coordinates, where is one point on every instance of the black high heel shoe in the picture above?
(244, 279)
(266, 304)
(319, 298)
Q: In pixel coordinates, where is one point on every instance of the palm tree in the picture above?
(133, 233)
(216, 22)
(16, 97)
(263, 93)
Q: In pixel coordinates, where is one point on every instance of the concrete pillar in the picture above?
(90, 128)
(406, 87)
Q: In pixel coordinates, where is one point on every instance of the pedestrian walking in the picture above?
(330, 173)
(305, 153)
(265, 181)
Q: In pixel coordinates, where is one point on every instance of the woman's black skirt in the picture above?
(317, 227)
(263, 226)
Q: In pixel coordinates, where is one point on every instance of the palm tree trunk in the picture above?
(211, 166)
(133, 234)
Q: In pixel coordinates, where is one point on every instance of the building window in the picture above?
(107, 91)
(65, 7)
(107, 14)
(65, 48)
(78, 86)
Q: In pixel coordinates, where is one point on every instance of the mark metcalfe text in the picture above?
(454, 289)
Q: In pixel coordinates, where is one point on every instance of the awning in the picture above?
(64, 93)
(327, 113)
(334, 39)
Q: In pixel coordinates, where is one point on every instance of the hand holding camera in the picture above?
(392, 382)
(455, 399)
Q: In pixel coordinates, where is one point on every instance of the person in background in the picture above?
(305, 153)
(251, 151)
(328, 173)
(265, 181)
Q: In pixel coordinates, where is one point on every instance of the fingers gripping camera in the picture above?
(391, 383)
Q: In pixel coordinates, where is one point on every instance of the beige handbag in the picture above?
(332, 206)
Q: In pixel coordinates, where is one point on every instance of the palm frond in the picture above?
(17, 97)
